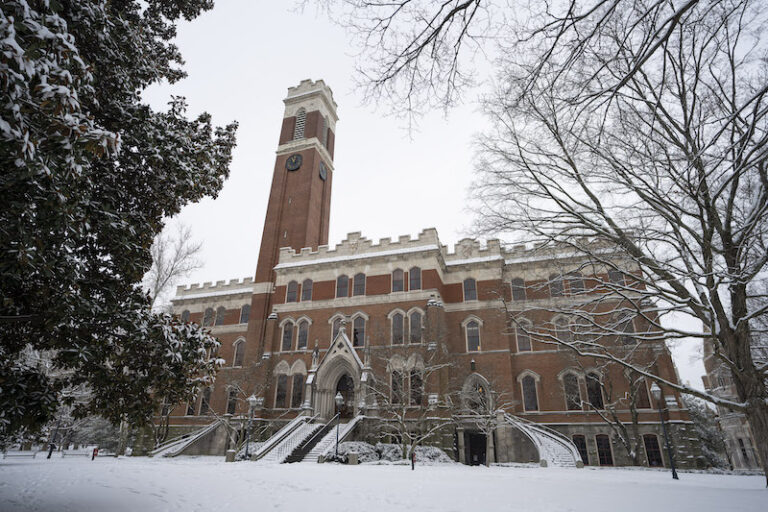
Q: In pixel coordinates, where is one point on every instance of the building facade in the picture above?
(410, 332)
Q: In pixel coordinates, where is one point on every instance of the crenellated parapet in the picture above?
(211, 289)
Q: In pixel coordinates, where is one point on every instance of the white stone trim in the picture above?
(294, 146)
(353, 257)
(206, 295)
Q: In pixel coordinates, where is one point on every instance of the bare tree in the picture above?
(632, 134)
(174, 256)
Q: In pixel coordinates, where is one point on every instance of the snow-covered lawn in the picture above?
(209, 484)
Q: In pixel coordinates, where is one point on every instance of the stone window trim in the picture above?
(208, 317)
(517, 286)
(220, 312)
(610, 450)
(353, 318)
(594, 394)
(185, 315)
(657, 457)
(358, 285)
(562, 377)
(536, 379)
(306, 290)
(292, 292)
(339, 280)
(556, 285)
(245, 313)
(561, 329)
(520, 329)
(575, 283)
(238, 346)
(469, 289)
(397, 280)
(465, 325)
(301, 121)
(304, 320)
(332, 321)
(409, 315)
(414, 278)
(391, 317)
(286, 323)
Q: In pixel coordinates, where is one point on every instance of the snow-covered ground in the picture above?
(209, 484)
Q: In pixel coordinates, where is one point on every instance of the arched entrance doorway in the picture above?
(346, 386)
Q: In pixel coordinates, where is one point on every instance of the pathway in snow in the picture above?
(208, 484)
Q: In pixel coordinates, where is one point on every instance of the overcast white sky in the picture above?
(241, 58)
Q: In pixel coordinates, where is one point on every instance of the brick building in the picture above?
(409, 329)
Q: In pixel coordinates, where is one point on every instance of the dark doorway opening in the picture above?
(475, 443)
(346, 386)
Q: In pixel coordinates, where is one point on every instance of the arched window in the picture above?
(185, 316)
(297, 392)
(208, 317)
(643, 401)
(231, 401)
(220, 312)
(342, 286)
(417, 387)
(523, 338)
(306, 290)
(301, 120)
(205, 403)
(476, 396)
(556, 285)
(324, 133)
(604, 454)
(358, 332)
(397, 329)
(572, 392)
(336, 327)
(518, 289)
(398, 280)
(594, 391)
(470, 289)
(414, 278)
(473, 336)
(616, 277)
(652, 450)
(530, 399)
(303, 335)
(415, 327)
(292, 292)
(281, 392)
(239, 353)
(581, 444)
(576, 283)
(245, 313)
(397, 387)
(287, 336)
(563, 330)
(358, 284)
(627, 329)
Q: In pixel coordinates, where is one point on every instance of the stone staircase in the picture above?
(553, 447)
(328, 442)
(176, 446)
(291, 442)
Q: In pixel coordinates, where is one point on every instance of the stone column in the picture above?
(460, 435)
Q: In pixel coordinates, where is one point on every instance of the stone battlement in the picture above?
(218, 286)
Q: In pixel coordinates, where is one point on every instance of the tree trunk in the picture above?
(757, 415)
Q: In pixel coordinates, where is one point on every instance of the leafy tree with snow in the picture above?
(89, 172)
(712, 439)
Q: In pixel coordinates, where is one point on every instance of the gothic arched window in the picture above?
(414, 278)
(473, 336)
(594, 391)
(303, 335)
(342, 286)
(556, 285)
(292, 292)
(324, 133)
(398, 280)
(301, 121)
(358, 332)
(336, 327)
(358, 284)
(397, 329)
(470, 289)
(245, 313)
(220, 315)
(415, 327)
(185, 315)
(572, 393)
(417, 387)
(518, 289)
(208, 317)
(297, 392)
(281, 392)
(576, 283)
(530, 399)
(239, 353)
(306, 290)
(523, 338)
(287, 336)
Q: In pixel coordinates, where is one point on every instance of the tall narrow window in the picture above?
(239, 353)
(208, 317)
(205, 403)
(358, 332)
(231, 401)
(743, 448)
(556, 285)
(358, 284)
(572, 393)
(652, 450)
(282, 391)
(301, 121)
(398, 280)
(563, 330)
(415, 327)
(604, 450)
(292, 292)
(303, 335)
(397, 329)
(324, 132)
(643, 401)
(576, 283)
(220, 313)
(518, 289)
(297, 392)
(414, 278)
(336, 328)
(287, 336)
(530, 400)
(627, 329)
(523, 338)
(473, 336)
(306, 290)
(417, 387)
(581, 444)
(342, 286)
(245, 313)
(185, 315)
(470, 289)
(397, 387)
(616, 277)
(594, 391)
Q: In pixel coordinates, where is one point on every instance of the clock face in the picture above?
(323, 171)
(293, 162)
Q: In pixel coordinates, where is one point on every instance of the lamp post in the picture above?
(339, 402)
(657, 396)
(252, 401)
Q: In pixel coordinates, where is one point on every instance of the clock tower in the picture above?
(298, 211)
